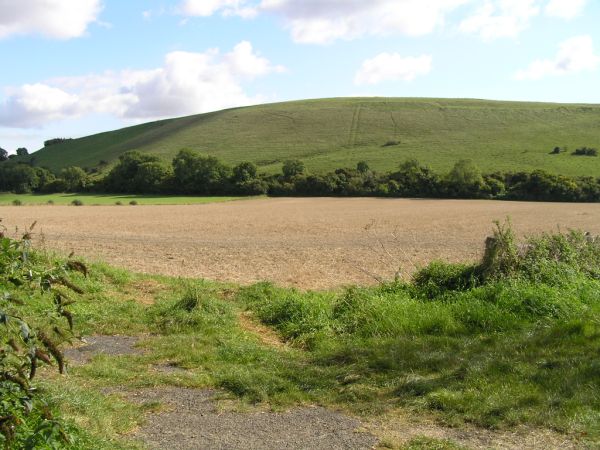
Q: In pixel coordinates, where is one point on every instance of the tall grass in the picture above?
(511, 340)
(507, 341)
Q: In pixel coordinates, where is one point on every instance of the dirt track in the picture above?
(309, 243)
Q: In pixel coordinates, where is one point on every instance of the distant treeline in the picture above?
(192, 173)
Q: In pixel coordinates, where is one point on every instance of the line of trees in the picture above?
(192, 173)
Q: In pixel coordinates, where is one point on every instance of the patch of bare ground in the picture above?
(91, 346)
(145, 290)
(308, 243)
(191, 419)
(266, 335)
(396, 430)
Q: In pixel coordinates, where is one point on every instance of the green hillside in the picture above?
(332, 133)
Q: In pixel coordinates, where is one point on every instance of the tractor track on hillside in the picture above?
(354, 125)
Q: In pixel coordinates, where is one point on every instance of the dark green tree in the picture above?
(244, 172)
(465, 180)
(18, 178)
(292, 168)
(362, 167)
(195, 173)
(75, 179)
(412, 179)
(124, 177)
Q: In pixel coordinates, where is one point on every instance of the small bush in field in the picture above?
(77, 202)
(17, 202)
(119, 203)
(586, 151)
(133, 203)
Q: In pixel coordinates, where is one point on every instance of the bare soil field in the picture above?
(307, 243)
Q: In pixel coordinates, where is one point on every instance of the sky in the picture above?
(77, 67)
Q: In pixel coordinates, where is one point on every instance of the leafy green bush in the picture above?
(439, 277)
(34, 321)
(17, 202)
(77, 202)
(586, 151)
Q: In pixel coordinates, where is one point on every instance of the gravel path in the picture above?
(191, 421)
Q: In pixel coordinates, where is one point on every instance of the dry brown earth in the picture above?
(308, 243)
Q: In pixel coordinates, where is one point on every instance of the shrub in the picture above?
(391, 144)
(29, 339)
(77, 202)
(50, 202)
(56, 141)
(17, 202)
(292, 168)
(586, 151)
(439, 277)
(133, 203)
(119, 203)
(501, 257)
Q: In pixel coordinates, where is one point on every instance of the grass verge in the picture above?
(92, 199)
(513, 341)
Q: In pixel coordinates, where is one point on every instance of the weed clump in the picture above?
(17, 202)
(439, 277)
(77, 202)
(133, 203)
(196, 310)
(547, 258)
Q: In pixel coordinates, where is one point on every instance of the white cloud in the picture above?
(59, 19)
(245, 62)
(508, 18)
(187, 83)
(392, 67)
(501, 18)
(34, 103)
(574, 55)
(206, 8)
(565, 9)
(323, 21)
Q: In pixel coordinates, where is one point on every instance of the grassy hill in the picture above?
(332, 133)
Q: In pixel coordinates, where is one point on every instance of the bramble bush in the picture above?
(35, 320)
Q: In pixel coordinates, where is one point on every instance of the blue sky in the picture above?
(76, 67)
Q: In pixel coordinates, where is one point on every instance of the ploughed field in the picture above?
(308, 243)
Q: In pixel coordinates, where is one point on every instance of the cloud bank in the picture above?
(574, 55)
(326, 21)
(58, 19)
(392, 67)
(187, 83)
